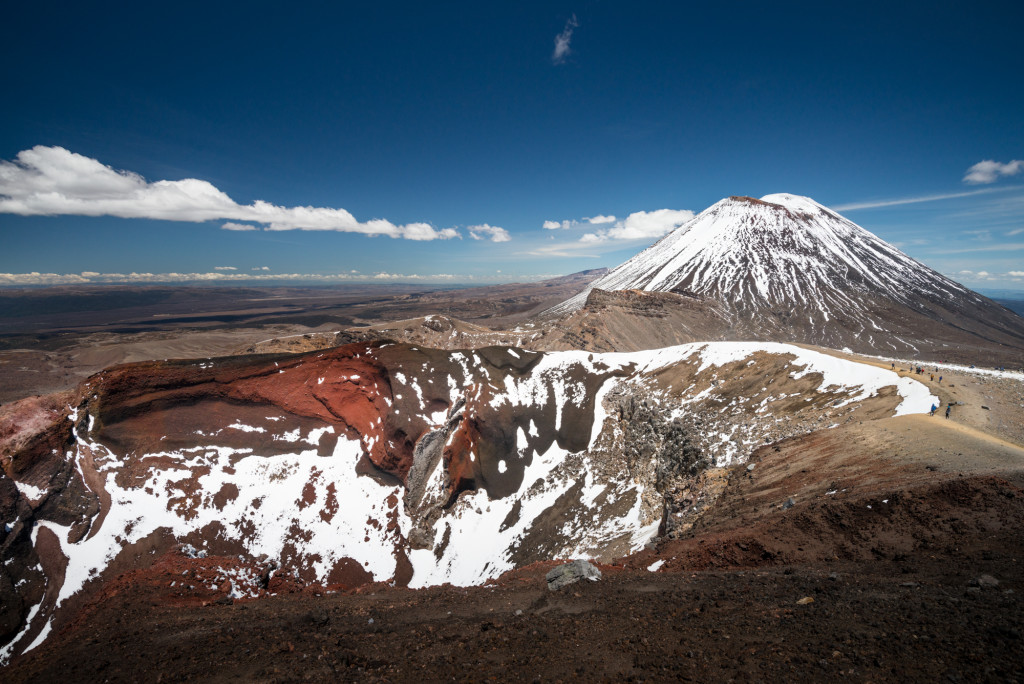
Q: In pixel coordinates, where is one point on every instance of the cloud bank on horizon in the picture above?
(53, 181)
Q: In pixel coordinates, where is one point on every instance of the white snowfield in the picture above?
(955, 368)
(274, 490)
(777, 251)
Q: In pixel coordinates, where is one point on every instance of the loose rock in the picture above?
(570, 573)
(985, 582)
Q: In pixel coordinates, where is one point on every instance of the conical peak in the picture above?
(778, 251)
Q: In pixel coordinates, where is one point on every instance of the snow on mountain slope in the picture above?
(785, 262)
(396, 463)
(772, 252)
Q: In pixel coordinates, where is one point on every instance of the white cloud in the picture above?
(989, 171)
(485, 232)
(600, 219)
(1015, 231)
(224, 268)
(560, 225)
(238, 226)
(1016, 274)
(563, 40)
(52, 181)
(260, 268)
(425, 231)
(642, 225)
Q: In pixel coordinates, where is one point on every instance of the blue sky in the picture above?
(433, 142)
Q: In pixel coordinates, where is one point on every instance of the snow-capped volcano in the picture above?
(786, 264)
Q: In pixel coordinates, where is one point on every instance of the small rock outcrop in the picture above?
(570, 573)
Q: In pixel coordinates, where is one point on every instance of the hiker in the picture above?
(894, 365)
(949, 408)
(932, 377)
(935, 407)
(940, 379)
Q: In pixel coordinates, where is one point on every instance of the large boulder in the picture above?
(570, 573)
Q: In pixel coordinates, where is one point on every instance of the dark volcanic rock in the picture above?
(570, 573)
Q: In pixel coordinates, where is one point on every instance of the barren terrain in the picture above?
(879, 549)
(52, 339)
(907, 538)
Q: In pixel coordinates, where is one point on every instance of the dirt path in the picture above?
(990, 403)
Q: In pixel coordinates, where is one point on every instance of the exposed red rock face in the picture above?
(346, 386)
(32, 435)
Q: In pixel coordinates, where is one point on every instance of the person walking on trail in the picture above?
(935, 407)
(949, 407)
(932, 377)
(940, 379)
(894, 365)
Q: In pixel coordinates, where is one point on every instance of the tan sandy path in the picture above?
(992, 407)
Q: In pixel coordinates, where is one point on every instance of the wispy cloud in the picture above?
(52, 181)
(565, 249)
(487, 232)
(989, 171)
(1015, 231)
(563, 41)
(560, 225)
(875, 204)
(224, 268)
(260, 268)
(642, 225)
(238, 226)
(1004, 247)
